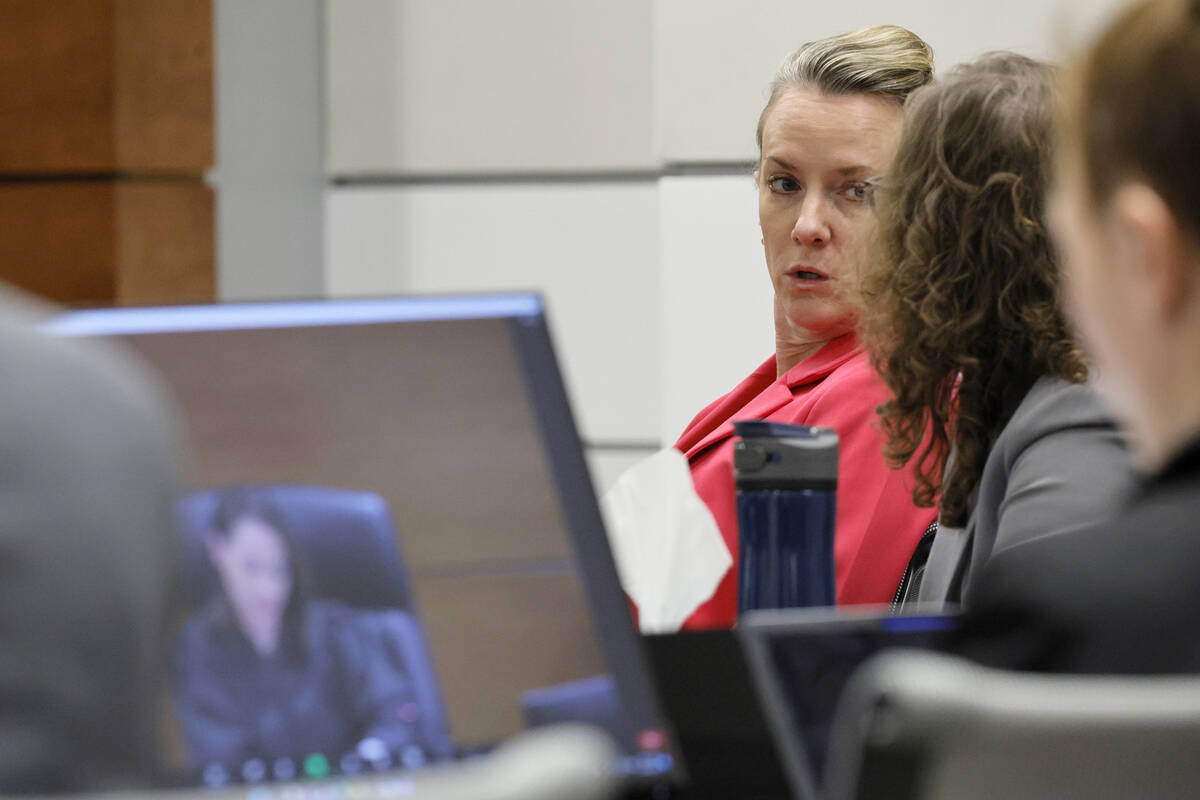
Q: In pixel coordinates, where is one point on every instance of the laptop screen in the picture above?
(391, 550)
(801, 660)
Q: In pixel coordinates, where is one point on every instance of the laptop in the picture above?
(752, 707)
(389, 516)
(800, 661)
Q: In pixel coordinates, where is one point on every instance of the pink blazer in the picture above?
(877, 525)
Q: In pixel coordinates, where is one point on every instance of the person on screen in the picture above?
(265, 671)
(1124, 596)
(991, 401)
(832, 123)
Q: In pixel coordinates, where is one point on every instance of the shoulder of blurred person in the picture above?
(1058, 465)
(89, 477)
(1122, 597)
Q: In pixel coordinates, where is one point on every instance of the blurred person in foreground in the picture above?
(89, 481)
(991, 403)
(1125, 211)
(832, 122)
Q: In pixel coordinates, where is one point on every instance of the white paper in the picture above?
(668, 549)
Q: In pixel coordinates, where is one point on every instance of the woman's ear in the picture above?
(1150, 242)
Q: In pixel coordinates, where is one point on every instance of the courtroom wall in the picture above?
(599, 150)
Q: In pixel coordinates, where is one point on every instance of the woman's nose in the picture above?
(811, 228)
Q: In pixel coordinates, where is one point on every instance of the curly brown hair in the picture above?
(960, 310)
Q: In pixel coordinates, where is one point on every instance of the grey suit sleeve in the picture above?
(1065, 466)
(1063, 480)
(1059, 465)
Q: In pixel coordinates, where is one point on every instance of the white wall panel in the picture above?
(607, 465)
(716, 296)
(477, 86)
(269, 179)
(657, 290)
(590, 247)
(714, 58)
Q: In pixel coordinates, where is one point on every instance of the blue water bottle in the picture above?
(786, 502)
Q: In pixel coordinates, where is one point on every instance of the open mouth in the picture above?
(808, 275)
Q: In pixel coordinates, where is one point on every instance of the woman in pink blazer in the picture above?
(831, 124)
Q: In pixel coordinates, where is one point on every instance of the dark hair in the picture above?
(243, 502)
(960, 311)
(1132, 106)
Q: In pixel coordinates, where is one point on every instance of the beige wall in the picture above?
(469, 87)
(478, 86)
(714, 58)
(658, 291)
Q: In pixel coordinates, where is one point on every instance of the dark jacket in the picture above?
(1122, 597)
(346, 680)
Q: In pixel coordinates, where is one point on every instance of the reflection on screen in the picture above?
(813, 668)
(376, 570)
(288, 653)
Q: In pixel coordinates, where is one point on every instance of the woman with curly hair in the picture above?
(1123, 597)
(991, 402)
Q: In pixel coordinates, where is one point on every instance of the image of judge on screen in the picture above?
(269, 675)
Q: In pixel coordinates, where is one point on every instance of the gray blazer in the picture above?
(88, 479)
(1058, 465)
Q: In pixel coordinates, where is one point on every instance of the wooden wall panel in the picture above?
(106, 132)
(97, 242)
(56, 86)
(163, 101)
(57, 239)
(164, 242)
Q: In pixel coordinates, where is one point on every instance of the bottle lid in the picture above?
(779, 455)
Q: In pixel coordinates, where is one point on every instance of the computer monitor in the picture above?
(391, 548)
(800, 661)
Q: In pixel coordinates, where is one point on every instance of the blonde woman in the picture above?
(832, 122)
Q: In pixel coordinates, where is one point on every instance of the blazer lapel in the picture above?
(951, 550)
(770, 400)
(749, 402)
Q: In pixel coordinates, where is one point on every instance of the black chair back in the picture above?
(346, 537)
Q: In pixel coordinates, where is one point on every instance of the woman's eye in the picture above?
(857, 192)
(783, 184)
